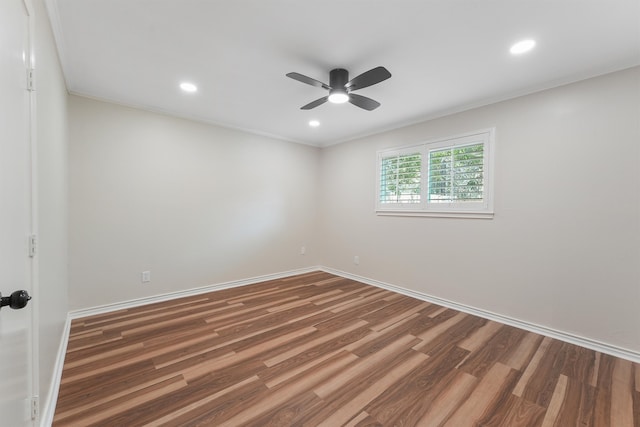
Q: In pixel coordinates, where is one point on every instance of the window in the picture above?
(400, 178)
(445, 177)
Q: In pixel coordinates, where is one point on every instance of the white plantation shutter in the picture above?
(446, 177)
(456, 174)
(400, 176)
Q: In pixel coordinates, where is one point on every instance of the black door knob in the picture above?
(17, 300)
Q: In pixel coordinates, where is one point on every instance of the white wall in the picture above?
(563, 250)
(52, 204)
(193, 203)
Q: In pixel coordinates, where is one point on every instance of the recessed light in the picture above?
(522, 46)
(314, 123)
(188, 87)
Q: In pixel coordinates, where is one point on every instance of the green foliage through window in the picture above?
(456, 174)
(444, 177)
(400, 179)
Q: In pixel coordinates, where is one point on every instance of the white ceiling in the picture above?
(444, 55)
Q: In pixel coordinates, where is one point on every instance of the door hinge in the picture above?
(33, 245)
(34, 407)
(31, 86)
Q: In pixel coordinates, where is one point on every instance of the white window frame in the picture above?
(483, 209)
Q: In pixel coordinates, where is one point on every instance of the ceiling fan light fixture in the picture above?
(338, 97)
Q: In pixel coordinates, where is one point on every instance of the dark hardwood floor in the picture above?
(321, 350)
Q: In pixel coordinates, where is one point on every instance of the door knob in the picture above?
(17, 300)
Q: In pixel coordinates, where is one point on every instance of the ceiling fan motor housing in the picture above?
(338, 78)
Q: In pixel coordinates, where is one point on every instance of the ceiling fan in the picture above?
(341, 88)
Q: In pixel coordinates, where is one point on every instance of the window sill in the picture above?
(437, 214)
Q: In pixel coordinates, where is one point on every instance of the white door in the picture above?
(15, 214)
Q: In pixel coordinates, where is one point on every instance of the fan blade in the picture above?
(363, 102)
(315, 103)
(371, 77)
(308, 80)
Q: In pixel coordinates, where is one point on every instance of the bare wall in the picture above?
(563, 249)
(192, 203)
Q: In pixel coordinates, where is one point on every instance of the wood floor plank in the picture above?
(442, 323)
(321, 350)
(114, 407)
(577, 406)
(453, 335)
(187, 412)
(636, 408)
(457, 391)
(481, 336)
(382, 339)
(318, 351)
(229, 359)
(532, 367)
(381, 316)
(362, 419)
(280, 374)
(404, 316)
(520, 358)
(406, 401)
(322, 339)
(110, 392)
(555, 405)
(120, 361)
(281, 394)
(514, 411)
(579, 363)
(504, 404)
(543, 382)
(202, 394)
(355, 402)
(93, 341)
(362, 367)
(117, 352)
(621, 393)
(473, 409)
(291, 412)
(501, 344)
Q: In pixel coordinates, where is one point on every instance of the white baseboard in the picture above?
(602, 347)
(76, 314)
(49, 407)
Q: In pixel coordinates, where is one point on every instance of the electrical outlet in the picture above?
(356, 260)
(146, 276)
(303, 250)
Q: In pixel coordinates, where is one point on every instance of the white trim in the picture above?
(436, 214)
(76, 314)
(34, 273)
(589, 343)
(49, 407)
